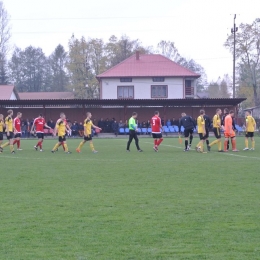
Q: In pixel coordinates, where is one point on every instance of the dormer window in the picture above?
(158, 79)
(125, 79)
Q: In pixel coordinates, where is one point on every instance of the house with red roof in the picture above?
(147, 76)
(8, 92)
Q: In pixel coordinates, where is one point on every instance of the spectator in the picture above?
(107, 126)
(24, 129)
(168, 123)
(115, 127)
(81, 129)
(148, 124)
(74, 129)
(28, 128)
(101, 123)
(174, 121)
(51, 124)
(144, 124)
(162, 121)
(120, 124)
(126, 123)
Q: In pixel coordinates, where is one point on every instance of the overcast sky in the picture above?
(198, 27)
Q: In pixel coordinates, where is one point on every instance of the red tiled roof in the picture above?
(46, 95)
(6, 92)
(148, 65)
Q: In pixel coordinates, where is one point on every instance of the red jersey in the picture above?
(39, 124)
(17, 125)
(156, 124)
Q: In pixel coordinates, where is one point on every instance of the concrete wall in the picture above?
(142, 87)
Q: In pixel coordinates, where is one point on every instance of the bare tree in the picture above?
(5, 35)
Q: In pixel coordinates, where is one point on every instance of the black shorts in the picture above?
(207, 134)
(62, 138)
(188, 132)
(87, 138)
(157, 136)
(249, 134)
(40, 135)
(216, 132)
(1, 136)
(202, 137)
(11, 135)
(18, 135)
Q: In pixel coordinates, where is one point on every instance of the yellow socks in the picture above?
(199, 144)
(219, 145)
(4, 145)
(91, 146)
(253, 144)
(246, 143)
(11, 147)
(80, 145)
(214, 142)
(56, 147)
(66, 147)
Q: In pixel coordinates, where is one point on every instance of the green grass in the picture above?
(118, 205)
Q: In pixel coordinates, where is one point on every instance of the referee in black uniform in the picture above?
(188, 123)
(207, 127)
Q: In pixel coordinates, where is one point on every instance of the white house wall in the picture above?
(142, 87)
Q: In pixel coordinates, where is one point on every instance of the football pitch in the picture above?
(119, 205)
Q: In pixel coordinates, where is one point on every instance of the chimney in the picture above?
(137, 55)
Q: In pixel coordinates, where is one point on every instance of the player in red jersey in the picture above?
(38, 125)
(17, 131)
(156, 126)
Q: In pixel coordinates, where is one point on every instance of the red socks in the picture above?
(234, 144)
(39, 144)
(159, 142)
(17, 142)
(155, 142)
(225, 145)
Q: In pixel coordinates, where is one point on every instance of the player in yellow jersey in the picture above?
(216, 130)
(250, 129)
(9, 129)
(201, 131)
(61, 128)
(2, 125)
(88, 133)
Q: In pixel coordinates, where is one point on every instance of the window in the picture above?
(158, 79)
(189, 89)
(125, 79)
(125, 92)
(160, 91)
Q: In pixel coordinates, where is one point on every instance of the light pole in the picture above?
(234, 30)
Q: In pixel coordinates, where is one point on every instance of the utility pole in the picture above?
(234, 30)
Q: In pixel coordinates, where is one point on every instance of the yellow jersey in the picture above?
(1, 126)
(201, 124)
(216, 121)
(87, 127)
(61, 127)
(9, 124)
(250, 121)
